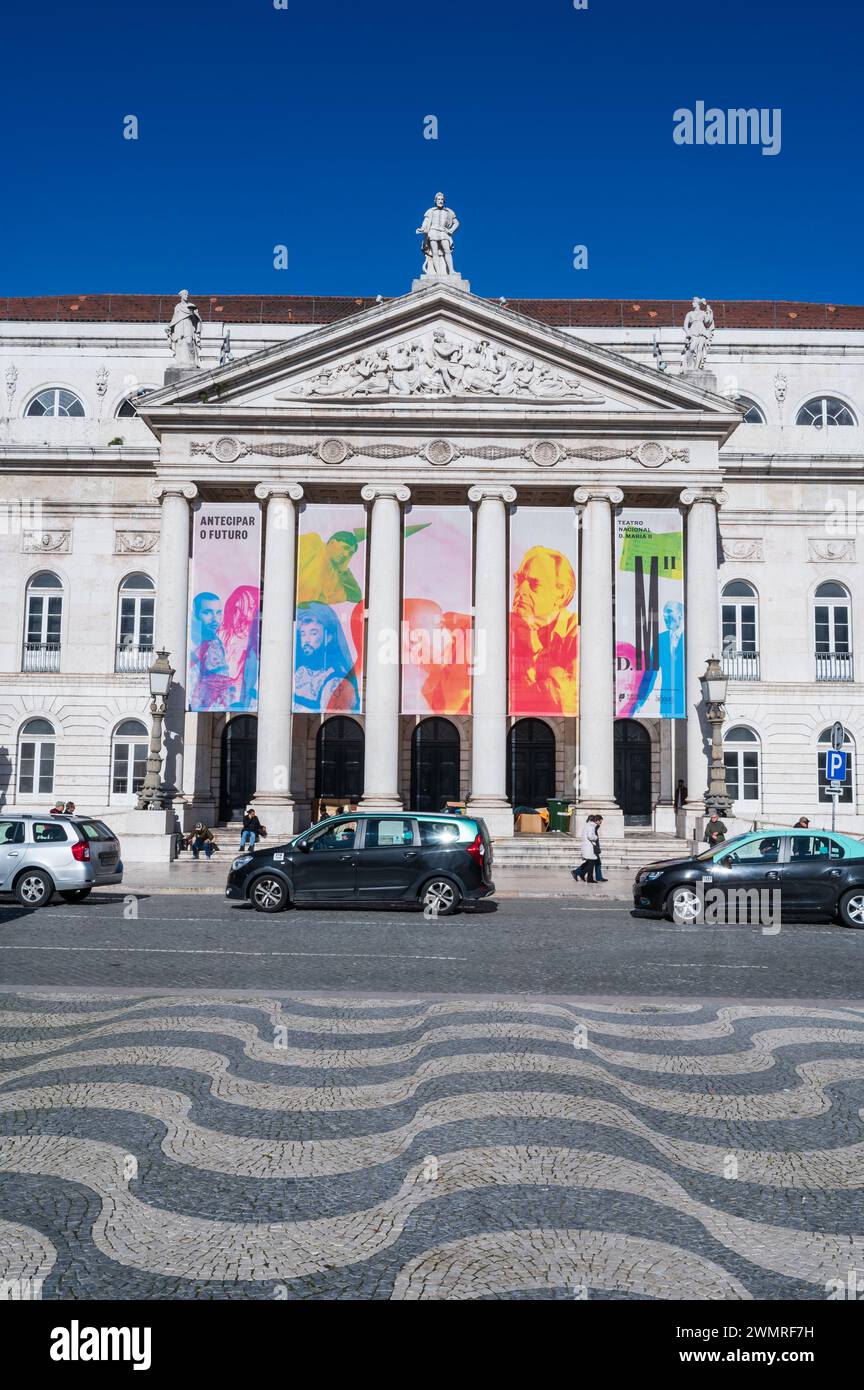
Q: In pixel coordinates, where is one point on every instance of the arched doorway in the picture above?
(633, 771)
(434, 764)
(339, 760)
(530, 763)
(239, 766)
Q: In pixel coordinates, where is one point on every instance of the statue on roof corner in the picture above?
(698, 335)
(184, 332)
(439, 225)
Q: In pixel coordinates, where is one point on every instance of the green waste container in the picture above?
(559, 814)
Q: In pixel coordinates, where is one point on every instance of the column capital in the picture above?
(718, 495)
(166, 489)
(583, 495)
(485, 492)
(370, 492)
(293, 491)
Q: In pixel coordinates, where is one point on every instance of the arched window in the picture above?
(129, 748)
(128, 408)
(135, 615)
(845, 797)
(754, 414)
(833, 632)
(55, 401)
(36, 758)
(739, 613)
(434, 764)
(44, 623)
(741, 751)
(823, 412)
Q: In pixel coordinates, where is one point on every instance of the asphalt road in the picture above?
(537, 946)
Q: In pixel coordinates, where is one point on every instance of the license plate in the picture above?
(109, 857)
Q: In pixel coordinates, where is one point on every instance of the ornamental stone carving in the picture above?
(135, 542)
(11, 384)
(780, 387)
(46, 542)
(437, 365)
(833, 550)
(698, 335)
(742, 548)
(543, 453)
(583, 495)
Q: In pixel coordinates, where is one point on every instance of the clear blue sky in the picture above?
(304, 126)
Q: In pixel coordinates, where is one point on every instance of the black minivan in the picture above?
(436, 861)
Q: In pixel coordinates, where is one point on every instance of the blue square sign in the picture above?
(835, 765)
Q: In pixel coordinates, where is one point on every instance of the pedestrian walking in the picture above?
(57, 808)
(585, 872)
(598, 869)
(802, 823)
(715, 830)
(202, 838)
(69, 808)
(251, 829)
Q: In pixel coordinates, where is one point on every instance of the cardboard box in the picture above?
(529, 825)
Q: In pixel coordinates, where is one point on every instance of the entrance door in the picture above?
(633, 771)
(339, 760)
(239, 766)
(530, 763)
(434, 764)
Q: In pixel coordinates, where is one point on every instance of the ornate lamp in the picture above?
(161, 675)
(714, 684)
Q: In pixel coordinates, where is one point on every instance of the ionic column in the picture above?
(488, 797)
(172, 619)
(597, 658)
(273, 800)
(702, 634)
(383, 646)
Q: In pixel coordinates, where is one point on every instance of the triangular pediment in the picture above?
(436, 345)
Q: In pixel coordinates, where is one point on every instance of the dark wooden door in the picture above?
(633, 771)
(530, 763)
(339, 760)
(239, 766)
(434, 764)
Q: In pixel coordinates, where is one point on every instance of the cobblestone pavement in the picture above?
(310, 1146)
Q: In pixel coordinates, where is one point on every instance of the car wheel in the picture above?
(684, 906)
(440, 897)
(852, 908)
(268, 894)
(75, 895)
(34, 888)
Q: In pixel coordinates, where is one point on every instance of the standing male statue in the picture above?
(698, 335)
(439, 225)
(184, 332)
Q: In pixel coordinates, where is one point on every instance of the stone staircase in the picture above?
(557, 850)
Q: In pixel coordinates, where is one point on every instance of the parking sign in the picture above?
(835, 765)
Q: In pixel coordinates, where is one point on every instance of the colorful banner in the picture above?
(544, 611)
(436, 611)
(226, 599)
(328, 627)
(649, 614)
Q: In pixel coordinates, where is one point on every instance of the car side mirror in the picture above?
(303, 846)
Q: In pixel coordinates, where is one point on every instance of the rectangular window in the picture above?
(748, 627)
(120, 774)
(381, 834)
(145, 635)
(823, 635)
(731, 762)
(34, 619)
(46, 768)
(750, 776)
(438, 832)
(27, 767)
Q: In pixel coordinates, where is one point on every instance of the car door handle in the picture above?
(835, 873)
(14, 854)
(343, 857)
(772, 873)
(410, 854)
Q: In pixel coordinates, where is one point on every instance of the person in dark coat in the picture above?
(599, 876)
(251, 829)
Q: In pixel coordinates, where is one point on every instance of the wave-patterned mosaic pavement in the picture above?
(303, 1147)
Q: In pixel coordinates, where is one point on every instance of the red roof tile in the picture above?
(313, 309)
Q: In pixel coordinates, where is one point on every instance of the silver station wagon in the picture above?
(44, 855)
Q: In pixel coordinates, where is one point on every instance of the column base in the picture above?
(381, 802)
(695, 816)
(496, 812)
(277, 815)
(663, 819)
(190, 812)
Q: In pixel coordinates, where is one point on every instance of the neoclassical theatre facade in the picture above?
(480, 463)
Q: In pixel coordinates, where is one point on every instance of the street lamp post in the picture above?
(161, 676)
(714, 683)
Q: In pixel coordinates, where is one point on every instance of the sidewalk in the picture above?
(187, 875)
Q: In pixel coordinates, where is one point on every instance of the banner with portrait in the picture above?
(437, 653)
(544, 612)
(224, 627)
(649, 614)
(328, 624)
